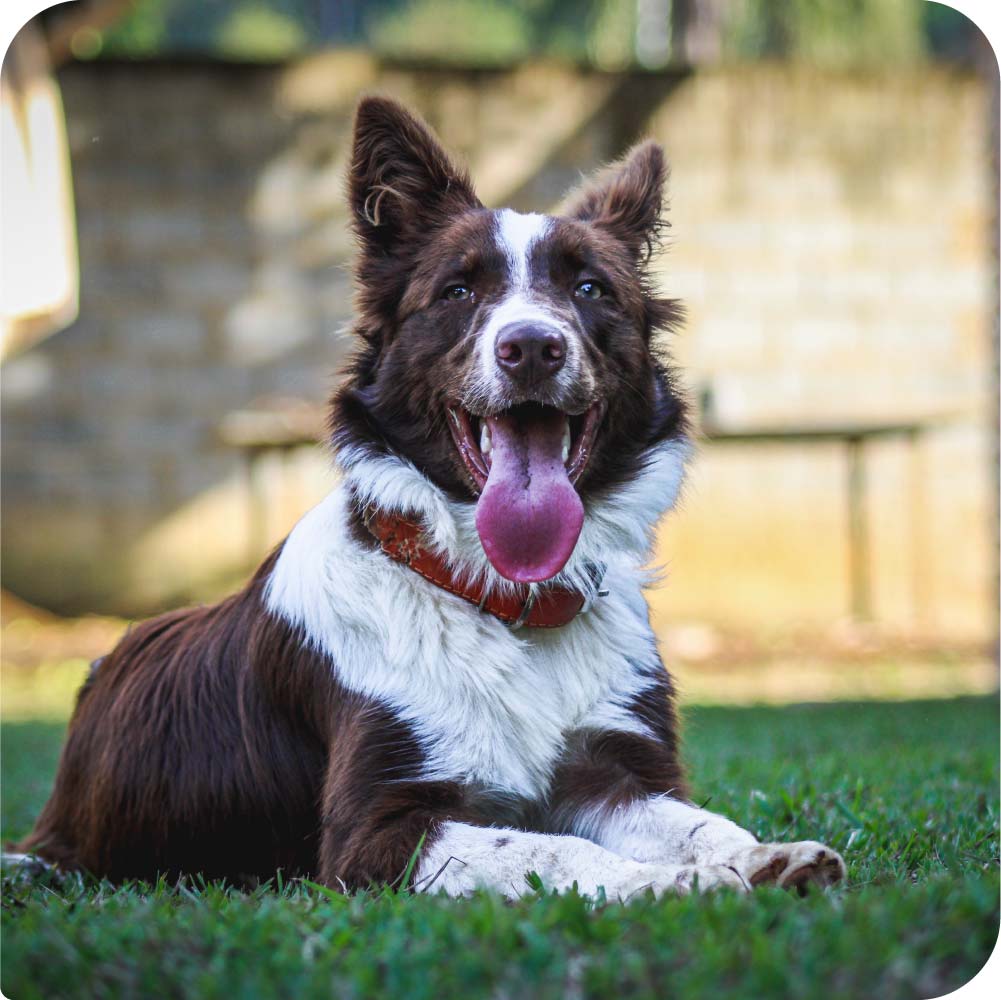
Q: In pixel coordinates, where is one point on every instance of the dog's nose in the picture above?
(527, 351)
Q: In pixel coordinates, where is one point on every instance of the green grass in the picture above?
(907, 791)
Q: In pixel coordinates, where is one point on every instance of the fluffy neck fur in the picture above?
(618, 525)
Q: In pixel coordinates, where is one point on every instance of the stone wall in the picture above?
(831, 242)
(829, 237)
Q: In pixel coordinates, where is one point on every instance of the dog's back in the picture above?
(182, 756)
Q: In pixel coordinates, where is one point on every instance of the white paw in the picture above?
(670, 880)
(792, 866)
(24, 869)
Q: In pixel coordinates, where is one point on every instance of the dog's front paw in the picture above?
(709, 878)
(792, 866)
(680, 880)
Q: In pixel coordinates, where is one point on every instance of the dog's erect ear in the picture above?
(626, 198)
(401, 182)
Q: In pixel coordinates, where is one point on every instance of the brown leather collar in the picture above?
(403, 540)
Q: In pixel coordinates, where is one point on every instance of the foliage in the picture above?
(909, 793)
(256, 31)
(838, 32)
(453, 31)
(491, 32)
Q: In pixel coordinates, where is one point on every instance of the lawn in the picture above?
(907, 791)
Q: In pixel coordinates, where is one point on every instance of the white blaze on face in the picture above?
(518, 235)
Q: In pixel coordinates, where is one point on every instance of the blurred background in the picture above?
(176, 285)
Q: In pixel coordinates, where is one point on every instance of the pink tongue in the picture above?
(529, 515)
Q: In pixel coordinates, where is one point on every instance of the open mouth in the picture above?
(525, 462)
(474, 435)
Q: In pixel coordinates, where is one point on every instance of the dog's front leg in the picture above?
(663, 830)
(462, 858)
(371, 841)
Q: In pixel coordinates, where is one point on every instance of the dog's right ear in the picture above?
(402, 182)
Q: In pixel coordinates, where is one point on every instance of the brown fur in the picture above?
(213, 741)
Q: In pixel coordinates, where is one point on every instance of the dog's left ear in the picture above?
(626, 198)
(401, 180)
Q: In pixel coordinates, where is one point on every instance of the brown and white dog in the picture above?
(454, 644)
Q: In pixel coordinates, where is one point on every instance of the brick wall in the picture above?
(829, 238)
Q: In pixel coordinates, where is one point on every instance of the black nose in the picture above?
(527, 351)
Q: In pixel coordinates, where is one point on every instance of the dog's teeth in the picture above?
(485, 439)
(566, 442)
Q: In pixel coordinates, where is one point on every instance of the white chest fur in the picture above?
(490, 706)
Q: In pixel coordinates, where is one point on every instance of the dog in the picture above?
(445, 675)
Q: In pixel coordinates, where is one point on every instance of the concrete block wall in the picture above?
(829, 239)
(197, 296)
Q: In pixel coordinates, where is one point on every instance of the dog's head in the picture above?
(506, 356)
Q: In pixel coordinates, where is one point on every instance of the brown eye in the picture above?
(457, 293)
(589, 290)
